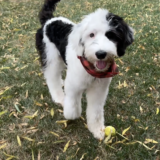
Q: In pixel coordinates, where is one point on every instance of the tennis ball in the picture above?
(110, 130)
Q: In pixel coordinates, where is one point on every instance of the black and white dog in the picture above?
(60, 42)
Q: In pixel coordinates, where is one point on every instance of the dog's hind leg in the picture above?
(52, 73)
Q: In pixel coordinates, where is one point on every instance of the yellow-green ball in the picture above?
(110, 129)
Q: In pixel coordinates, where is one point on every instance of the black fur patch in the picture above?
(57, 33)
(40, 47)
(47, 10)
(119, 33)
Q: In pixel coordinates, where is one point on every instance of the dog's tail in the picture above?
(47, 10)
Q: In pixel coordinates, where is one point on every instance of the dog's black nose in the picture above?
(101, 54)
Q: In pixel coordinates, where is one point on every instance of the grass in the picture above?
(133, 98)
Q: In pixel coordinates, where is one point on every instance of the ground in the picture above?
(28, 117)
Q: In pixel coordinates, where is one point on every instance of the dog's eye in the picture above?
(91, 35)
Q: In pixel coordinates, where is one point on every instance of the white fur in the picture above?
(77, 79)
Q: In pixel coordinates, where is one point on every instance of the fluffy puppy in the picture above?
(93, 42)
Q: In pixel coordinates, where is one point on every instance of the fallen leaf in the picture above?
(150, 141)
(42, 96)
(23, 84)
(153, 87)
(9, 156)
(19, 141)
(16, 29)
(83, 156)
(127, 69)
(97, 158)
(59, 110)
(32, 131)
(157, 151)
(52, 112)
(124, 131)
(33, 116)
(120, 85)
(17, 108)
(32, 155)
(46, 104)
(141, 109)
(66, 146)
(2, 141)
(76, 152)
(107, 138)
(85, 125)
(122, 136)
(130, 143)
(38, 104)
(36, 59)
(121, 61)
(3, 112)
(144, 145)
(2, 91)
(39, 156)
(136, 120)
(82, 118)
(111, 147)
(120, 74)
(62, 122)
(23, 67)
(142, 47)
(26, 94)
(29, 139)
(3, 146)
(56, 142)
(4, 68)
(125, 84)
(157, 111)
(23, 124)
(119, 142)
(55, 134)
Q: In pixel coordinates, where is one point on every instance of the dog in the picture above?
(87, 50)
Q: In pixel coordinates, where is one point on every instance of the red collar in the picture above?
(112, 71)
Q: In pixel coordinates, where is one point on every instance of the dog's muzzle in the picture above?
(89, 67)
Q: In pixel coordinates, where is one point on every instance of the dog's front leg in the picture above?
(96, 96)
(72, 101)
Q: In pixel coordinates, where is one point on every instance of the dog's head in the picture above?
(103, 35)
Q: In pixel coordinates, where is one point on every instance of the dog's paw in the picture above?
(99, 134)
(71, 113)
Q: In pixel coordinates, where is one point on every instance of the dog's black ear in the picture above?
(123, 32)
(129, 36)
(126, 41)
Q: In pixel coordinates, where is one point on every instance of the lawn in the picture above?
(32, 126)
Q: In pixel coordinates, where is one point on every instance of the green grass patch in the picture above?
(133, 100)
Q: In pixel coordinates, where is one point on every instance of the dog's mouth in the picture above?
(101, 69)
(101, 65)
